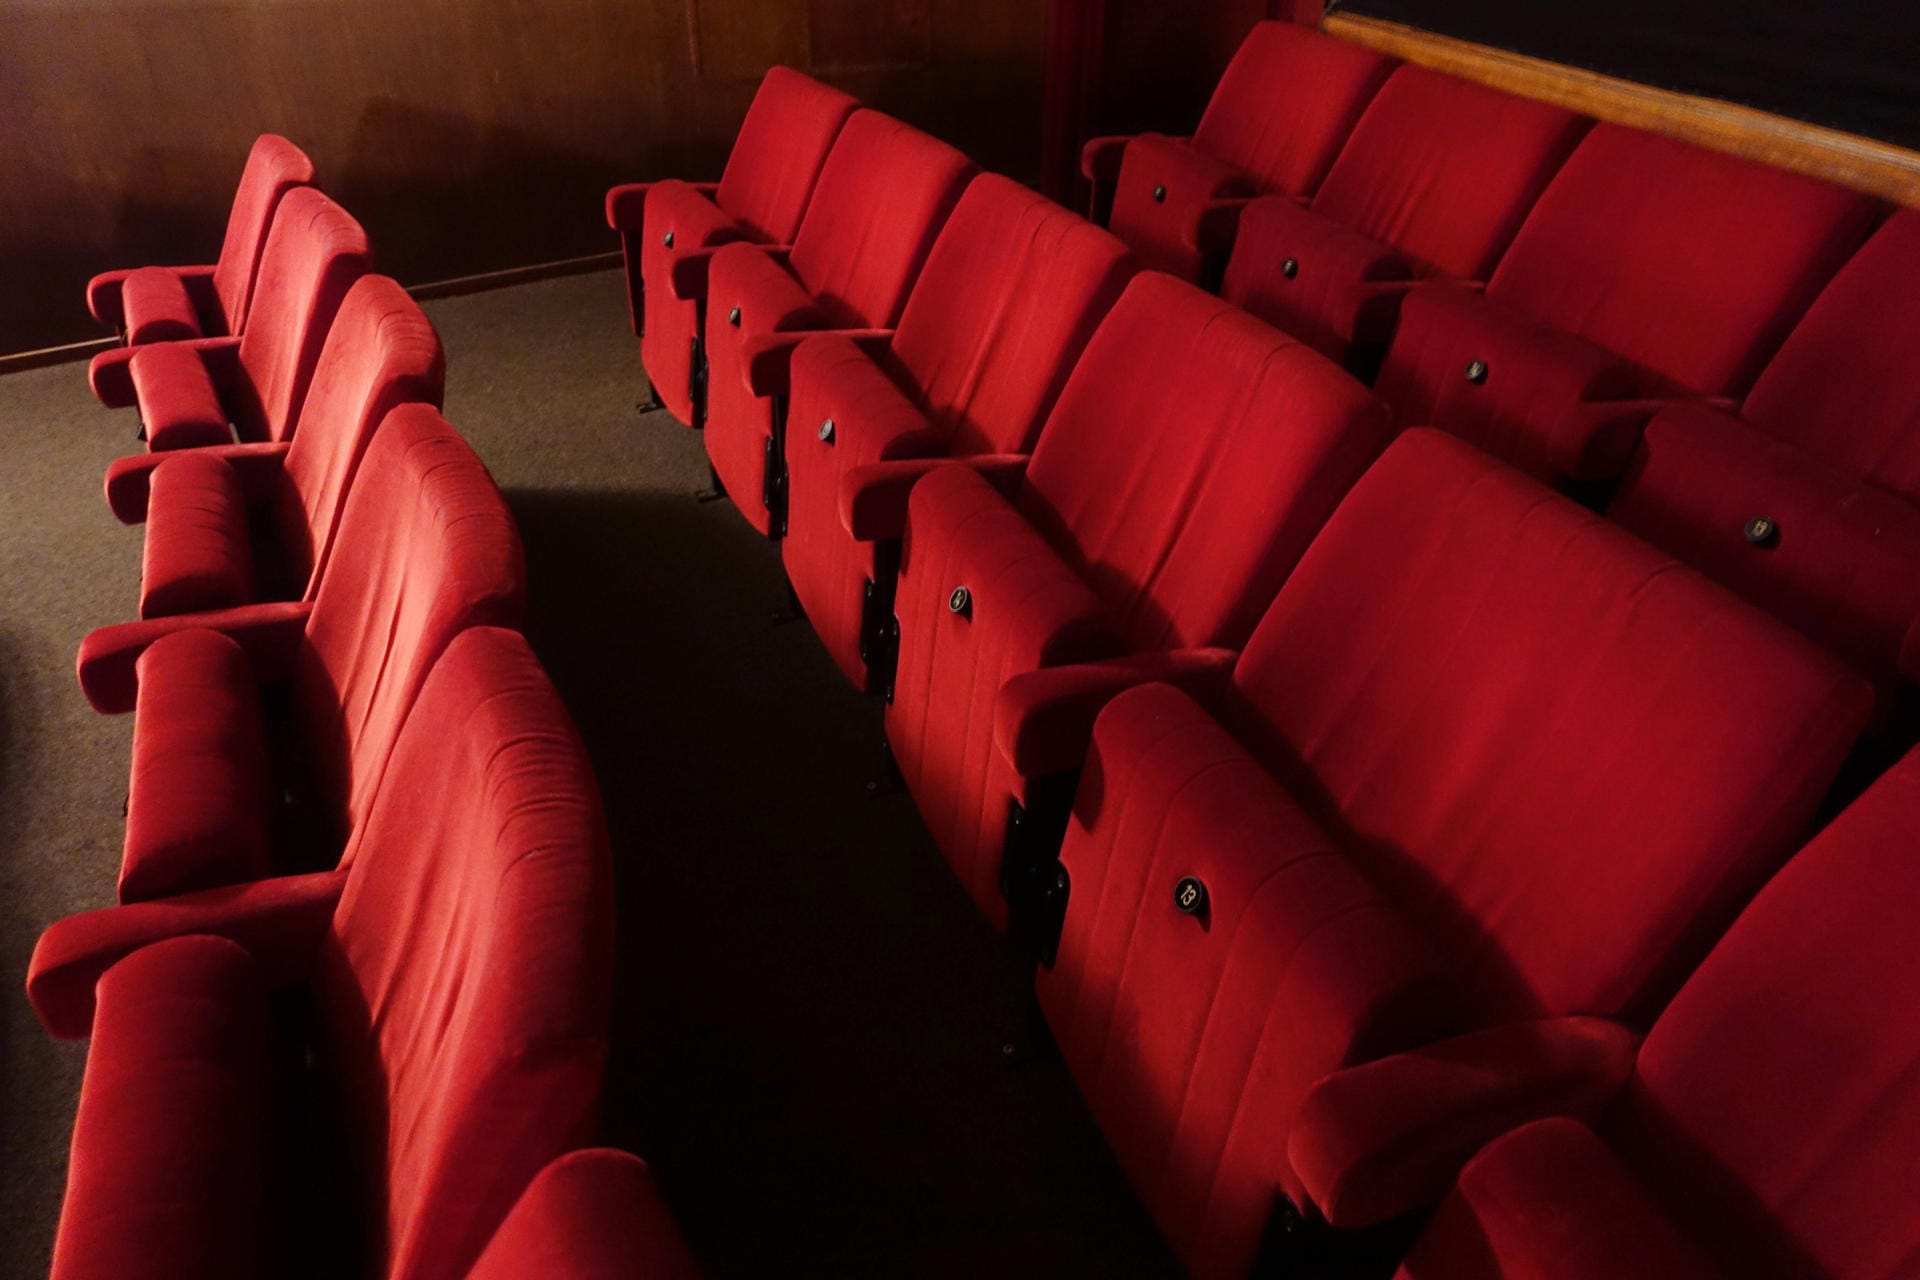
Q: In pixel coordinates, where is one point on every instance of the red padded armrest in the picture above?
(278, 921)
(1100, 158)
(1388, 1137)
(688, 278)
(103, 292)
(112, 380)
(767, 356)
(1043, 720)
(873, 498)
(626, 204)
(592, 1215)
(270, 633)
(258, 465)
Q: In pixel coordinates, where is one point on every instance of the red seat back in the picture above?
(1567, 756)
(1192, 456)
(1776, 1105)
(274, 167)
(1010, 294)
(425, 549)
(778, 152)
(314, 253)
(1690, 263)
(464, 992)
(881, 199)
(380, 352)
(1445, 170)
(1287, 102)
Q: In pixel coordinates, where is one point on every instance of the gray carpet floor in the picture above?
(810, 1013)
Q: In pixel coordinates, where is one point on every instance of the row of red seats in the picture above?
(354, 1004)
(1365, 798)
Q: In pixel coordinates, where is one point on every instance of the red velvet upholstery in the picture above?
(426, 549)
(1119, 539)
(770, 175)
(882, 197)
(1433, 183)
(590, 1215)
(197, 555)
(1684, 279)
(200, 797)
(176, 1188)
(1010, 294)
(460, 996)
(1774, 1109)
(313, 254)
(381, 351)
(1826, 448)
(1493, 761)
(147, 303)
(1278, 118)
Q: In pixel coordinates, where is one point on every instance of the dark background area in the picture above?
(1847, 66)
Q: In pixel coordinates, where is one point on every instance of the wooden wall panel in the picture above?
(468, 135)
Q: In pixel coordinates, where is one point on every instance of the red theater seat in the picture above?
(188, 392)
(1489, 771)
(1648, 269)
(1433, 184)
(457, 977)
(1826, 452)
(1772, 1116)
(669, 229)
(155, 304)
(425, 549)
(1190, 459)
(1276, 121)
(1010, 294)
(381, 351)
(590, 1215)
(881, 199)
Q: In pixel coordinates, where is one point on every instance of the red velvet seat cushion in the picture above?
(1839, 559)
(156, 308)
(314, 253)
(179, 405)
(463, 994)
(170, 1146)
(1194, 1038)
(695, 223)
(1166, 186)
(1551, 1202)
(1313, 277)
(200, 798)
(873, 420)
(196, 555)
(746, 282)
(590, 1215)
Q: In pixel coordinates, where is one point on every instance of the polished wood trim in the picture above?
(514, 275)
(1865, 164)
(21, 361)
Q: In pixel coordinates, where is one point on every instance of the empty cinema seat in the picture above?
(668, 228)
(1010, 294)
(1770, 1122)
(590, 1215)
(1276, 121)
(1433, 184)
(1489, 773)
(156, 304)
(881, 199)
(425, 549)
(457, 976)
(1190, 459)
(1649, 269)
(188, 392)
(200, 552)
(1808, 502)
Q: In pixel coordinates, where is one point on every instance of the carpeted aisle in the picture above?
(810, 1014)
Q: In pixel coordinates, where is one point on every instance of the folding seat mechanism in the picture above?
(697, 383)
(1032, 878)
(879, 629)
